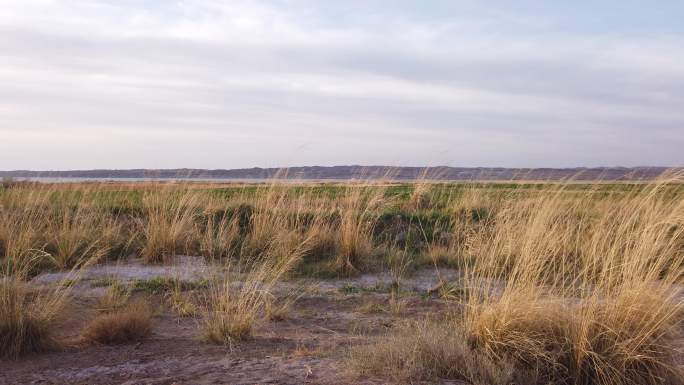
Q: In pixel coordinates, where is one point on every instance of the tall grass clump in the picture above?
(219, 236)
(244, 298)
(563, 285)
(79, 234)
(65, 223)
(583, 290)
(283, 218)
(267, 219)
(168, 223)
(359, 210)
(28, 317)
(22, 225)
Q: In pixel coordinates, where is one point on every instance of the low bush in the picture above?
(130, 324)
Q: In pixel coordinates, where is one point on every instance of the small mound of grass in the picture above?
(130, 324)
(228, 326)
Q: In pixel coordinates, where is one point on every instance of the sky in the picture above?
(232, 84)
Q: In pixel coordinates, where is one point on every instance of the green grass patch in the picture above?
(159, 285)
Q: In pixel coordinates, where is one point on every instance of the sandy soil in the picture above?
(308, 347)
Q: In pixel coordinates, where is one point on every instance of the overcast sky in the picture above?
(229, 84)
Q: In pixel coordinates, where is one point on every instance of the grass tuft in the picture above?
(130, 324)
(425, 351)
(29, 316)
(24, 326)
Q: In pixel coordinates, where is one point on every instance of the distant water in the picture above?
(208, 180)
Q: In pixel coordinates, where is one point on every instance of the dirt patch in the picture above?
(308, 347)
(180, 267)
(420, 281)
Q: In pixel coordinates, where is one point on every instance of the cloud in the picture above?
(237, 84)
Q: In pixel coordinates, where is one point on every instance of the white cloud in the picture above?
(244, 83)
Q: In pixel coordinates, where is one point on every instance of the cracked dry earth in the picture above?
(309, 347)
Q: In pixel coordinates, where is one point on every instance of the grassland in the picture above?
(569, 283)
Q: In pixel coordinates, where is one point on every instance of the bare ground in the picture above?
(309, 347)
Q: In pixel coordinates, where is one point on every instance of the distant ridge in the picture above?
(363, 172)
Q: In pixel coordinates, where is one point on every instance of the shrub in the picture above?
(130, 324)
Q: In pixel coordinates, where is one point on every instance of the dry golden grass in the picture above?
(68, 228)
(578, 285)
(358, 211)
(577, 288)
(582, 290)
(93, 221)
(116, 297)
(629, 340)
(129, 324)
(235, 308)
(28, 317)
(24, 327)
(428, 350)
(218, 238)
(168, 225)
(183, 304)
(232, 312)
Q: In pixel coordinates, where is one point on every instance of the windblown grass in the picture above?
(235, 308)
(585, 291)
(576, 283)
(28, 317)
(574, 287)
(168, 224)
(67, 227)
(358, 216)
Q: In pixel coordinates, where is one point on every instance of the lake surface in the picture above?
(208, 180)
